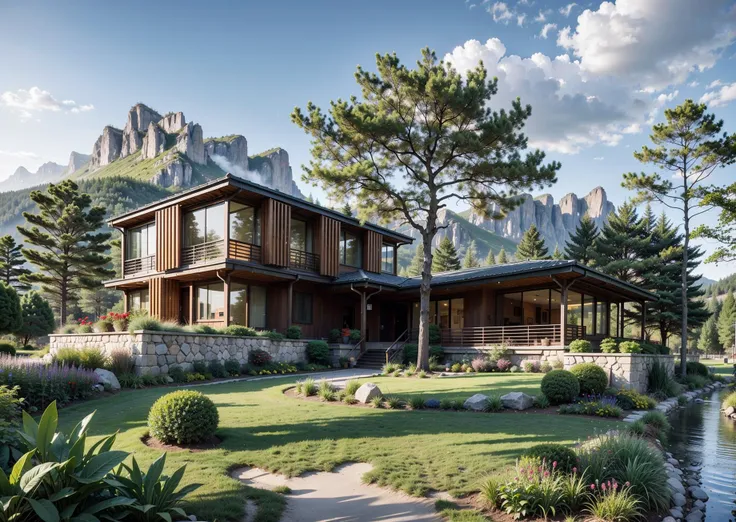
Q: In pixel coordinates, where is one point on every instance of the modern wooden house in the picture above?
(235, 252)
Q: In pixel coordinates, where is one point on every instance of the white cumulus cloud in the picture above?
(544, 33)
(723, 96)
(500, 12)
(36, 100)
(638, 39)
(565, 11)
(714, 84)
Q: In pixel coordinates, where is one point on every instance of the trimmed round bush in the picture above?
(8, 348)
(609, 345)
(592, 378)
(565, 457)
(580, 346)
(259, 357)
(183, 417)
(697, 368)
(629, 347)
(293, 332)
(318, 352)
(560, 386)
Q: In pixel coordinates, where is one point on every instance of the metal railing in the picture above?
(243, 251)
(519, 335)
(397, 347)
(202, 252)
(300, 260)
(139, 265)
(357, 350)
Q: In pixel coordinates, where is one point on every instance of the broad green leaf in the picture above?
(108, 503)
(34, 476)
(173, 482)
(68, 511)
(20, 467)
(46, 431)
(81, 428)
(152, 476)
(164, 515)
(30, 428)
(62, 493)
(85, 517)
(5, 487)
(77, 450)
(100, 465)
(45, 509)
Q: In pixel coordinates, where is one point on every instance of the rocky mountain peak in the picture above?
(77, 160)
(23, 178)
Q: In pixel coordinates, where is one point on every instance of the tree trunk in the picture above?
(686, 244)
(424, 292)
(62, 302)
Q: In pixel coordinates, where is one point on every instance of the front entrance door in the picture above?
(394, 321)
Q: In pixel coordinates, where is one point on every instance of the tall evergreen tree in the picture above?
(415, 266)
(416, 139)
(347, 210)
(708, 341)
(531, 246)
(726, 322)
(445, 257)
(470, 260)
(36, 316)
(490, 258)
(689, 147)
(620, 244)
(581, 245)
(502, 258)
(557, 254)
(11, 263)
(70, 253)
(10, 312)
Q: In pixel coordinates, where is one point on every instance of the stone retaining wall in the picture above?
(625, 370)
(155, 352)
(518, 355)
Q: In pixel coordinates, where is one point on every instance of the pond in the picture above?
(704, 441)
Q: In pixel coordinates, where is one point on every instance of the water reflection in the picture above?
(702, 437)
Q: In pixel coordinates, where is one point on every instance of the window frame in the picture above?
(296, 318)
(256, 222)
(344, 250)
(148, 227)
(205, 232)
(208, 302)
(140, 292)
(393, 258)
(308, 240)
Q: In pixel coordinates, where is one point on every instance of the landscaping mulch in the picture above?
(209, 444)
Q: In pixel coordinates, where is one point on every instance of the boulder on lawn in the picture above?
(517, 401)
(477, 402)
(107, 378)
(367, 392)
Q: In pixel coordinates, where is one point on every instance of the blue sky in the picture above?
(596, 74)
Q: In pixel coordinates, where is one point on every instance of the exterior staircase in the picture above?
(372, 359)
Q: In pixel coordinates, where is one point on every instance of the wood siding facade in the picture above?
(168, 238)
(276, 233)
(328, 239)
(164, 298)
(372, 244)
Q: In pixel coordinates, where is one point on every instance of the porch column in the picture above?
(226, 286)
(643, 319)
(563, 314)
(363, 319)
(289, 303)
(125, 301)
(621, 322)
(192, 304)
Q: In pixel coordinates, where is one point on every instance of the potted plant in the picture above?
(345, 335)
(353, 362)
(545, 342)
(344, 361)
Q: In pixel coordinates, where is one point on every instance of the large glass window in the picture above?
(141, 242)
(601, 317)
(457, 308)
(301, 236)
(448, 313)
(204, 225)
(301, 309)
(443, 313)
(257, 303)
(574, 309)
(247, 305)
(350, 249)
(139, 300)
(239, 304)
(211, 302)
(588, 314)
(245, 224)
(536, 306)
(387, 259)
(513, 310)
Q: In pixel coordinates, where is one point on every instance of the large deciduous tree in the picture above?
(417, 139)
(688, 147)
(581, 244)
(11, 263)
(68, 250)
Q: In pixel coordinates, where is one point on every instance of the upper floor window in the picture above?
(350, 249)
(301, 236)
(141, 242)
(204, 225)
(387, 259)
(245, 224)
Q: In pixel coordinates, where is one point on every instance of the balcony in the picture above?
(139, 265)
(300, 260)
(521, 335)
(244, 251)
(203, 252)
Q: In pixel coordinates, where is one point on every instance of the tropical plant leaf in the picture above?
(109, 503)
(81, 428)
(100, 465)
(30, 428)
(46, 431)
(45, 509)
(34, 476)
(5, 487)
(20, 467)
(165, 516)
(152, 477)
(62, 493)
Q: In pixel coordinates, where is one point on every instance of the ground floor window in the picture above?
(447, 313)
(211, 302)
(301, 308)
(139, 300)
(247, 305)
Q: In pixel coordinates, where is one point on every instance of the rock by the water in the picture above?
(698, 493)
(107, 378)
(669, 519)
(676, 485)
(477, 402)
(678, 499)
(367, 392)
(699, 504)
(676, 512)
(730, 410)
(694, 516)
(517, 401)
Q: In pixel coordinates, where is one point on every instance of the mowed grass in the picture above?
(413, 451)
(719, 367)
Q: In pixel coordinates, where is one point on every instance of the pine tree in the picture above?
(708, 341)
(470, 260)
(347, 210)
(620, 244)
(445, 257)
(581, 245)
(11, 263)
(37, 317)
(70, 253)
(726, 321)
(490, 258)
(531, 246)
(502, 258)
(10, 313)
(415, 267)
(557, 254)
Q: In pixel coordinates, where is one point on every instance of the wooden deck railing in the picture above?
(300, 260)
(521, 335)
(203, 252)
(140, 265)
(244, 251)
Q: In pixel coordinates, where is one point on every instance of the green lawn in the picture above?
(719, 367)
(415, 451)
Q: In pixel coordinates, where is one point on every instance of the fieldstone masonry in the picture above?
(155, 352)
(625, 370)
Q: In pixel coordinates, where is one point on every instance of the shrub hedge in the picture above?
(318, 352)
(591, 377)
(580, 346)
(560, 386)
(565, 457)
(183, 417)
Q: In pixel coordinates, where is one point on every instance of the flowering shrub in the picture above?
(41, 384)
(259, 357)
(530, 366)
(599, 405)
(119, 321)
(633, 400)
(480, 364)
(503, 365)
